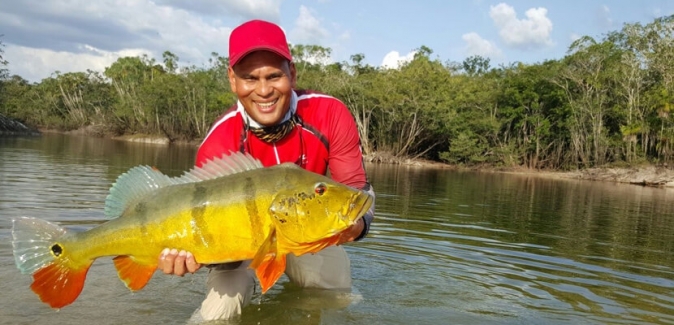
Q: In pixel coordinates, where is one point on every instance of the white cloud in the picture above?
(532, 31)
(574, 37)
(36, 64)
(393, 60)
(308, 28)
(244, 9)
(604, 16)
(476, 45)
(56, 35)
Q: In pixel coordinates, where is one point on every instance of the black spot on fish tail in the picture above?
(56, 249)
(199, 196)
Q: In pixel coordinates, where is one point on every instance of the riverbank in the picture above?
(644, 175)
(640, 175)
(10, 126)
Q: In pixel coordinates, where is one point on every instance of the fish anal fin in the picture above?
(134, 273)
(58, 285)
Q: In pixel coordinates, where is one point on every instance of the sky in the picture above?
(44, 36)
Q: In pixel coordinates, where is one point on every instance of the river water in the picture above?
(446, 247)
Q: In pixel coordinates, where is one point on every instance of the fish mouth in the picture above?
(364, 206)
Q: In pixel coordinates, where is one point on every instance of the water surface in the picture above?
(446, 247)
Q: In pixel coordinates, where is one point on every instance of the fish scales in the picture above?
(230, 209)
(216, 228)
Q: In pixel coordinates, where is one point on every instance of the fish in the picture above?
(230, 209)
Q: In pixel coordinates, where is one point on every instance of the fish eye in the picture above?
(320, 188)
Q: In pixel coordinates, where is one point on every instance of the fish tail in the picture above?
(57, 279)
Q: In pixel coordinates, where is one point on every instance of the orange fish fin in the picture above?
(316, 247)
(270, 270)
(305, 248)
(58, 285)
(268, 247)
(268, 263)
(133, 272)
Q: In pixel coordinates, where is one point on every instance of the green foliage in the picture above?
(466, 149)
(608, 101)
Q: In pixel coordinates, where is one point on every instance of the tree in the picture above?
(170, 62)
(4, 73)
(414, 95)
(128, 75)
(584, 83)
(475, 65)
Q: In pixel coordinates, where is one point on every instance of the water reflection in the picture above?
(446, 247)
(569, 248)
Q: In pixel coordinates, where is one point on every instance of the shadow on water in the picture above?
(446, 247)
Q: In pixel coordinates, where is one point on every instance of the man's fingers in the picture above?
(172, 261)
(166, 261)
(191, 263)
(179, 268)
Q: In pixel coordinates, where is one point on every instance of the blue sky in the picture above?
(43, 36)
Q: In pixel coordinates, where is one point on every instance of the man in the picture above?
(276, 123)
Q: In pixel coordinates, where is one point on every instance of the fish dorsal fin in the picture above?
(233, 163)
(132, 186)
(138, 182)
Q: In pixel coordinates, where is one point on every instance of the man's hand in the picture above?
(351, 233)
(177, 263)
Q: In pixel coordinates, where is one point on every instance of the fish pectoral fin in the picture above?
(268, 247)
(270, 270)
(134, 272)
(268, 263)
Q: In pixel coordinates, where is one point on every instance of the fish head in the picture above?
(317, 210)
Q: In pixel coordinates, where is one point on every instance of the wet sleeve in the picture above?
(369, 215)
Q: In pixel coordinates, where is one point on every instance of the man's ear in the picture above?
(293, 74)
(232, 79)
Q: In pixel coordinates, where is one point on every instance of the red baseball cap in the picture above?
(257, 35)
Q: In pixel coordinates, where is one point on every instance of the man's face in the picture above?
(263, 82)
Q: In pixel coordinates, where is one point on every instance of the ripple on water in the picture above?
(446, 247)
(438, 258)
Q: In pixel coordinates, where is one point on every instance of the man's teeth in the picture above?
(267, 104)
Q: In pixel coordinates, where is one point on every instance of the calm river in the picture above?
(446, 247)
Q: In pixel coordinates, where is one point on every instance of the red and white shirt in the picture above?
(325, 140)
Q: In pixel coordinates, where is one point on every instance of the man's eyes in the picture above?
(270, 78)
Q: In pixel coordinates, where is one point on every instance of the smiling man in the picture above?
(276, 123)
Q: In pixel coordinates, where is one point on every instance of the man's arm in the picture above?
(345, 162)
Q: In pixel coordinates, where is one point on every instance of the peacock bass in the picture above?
(230, 209)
